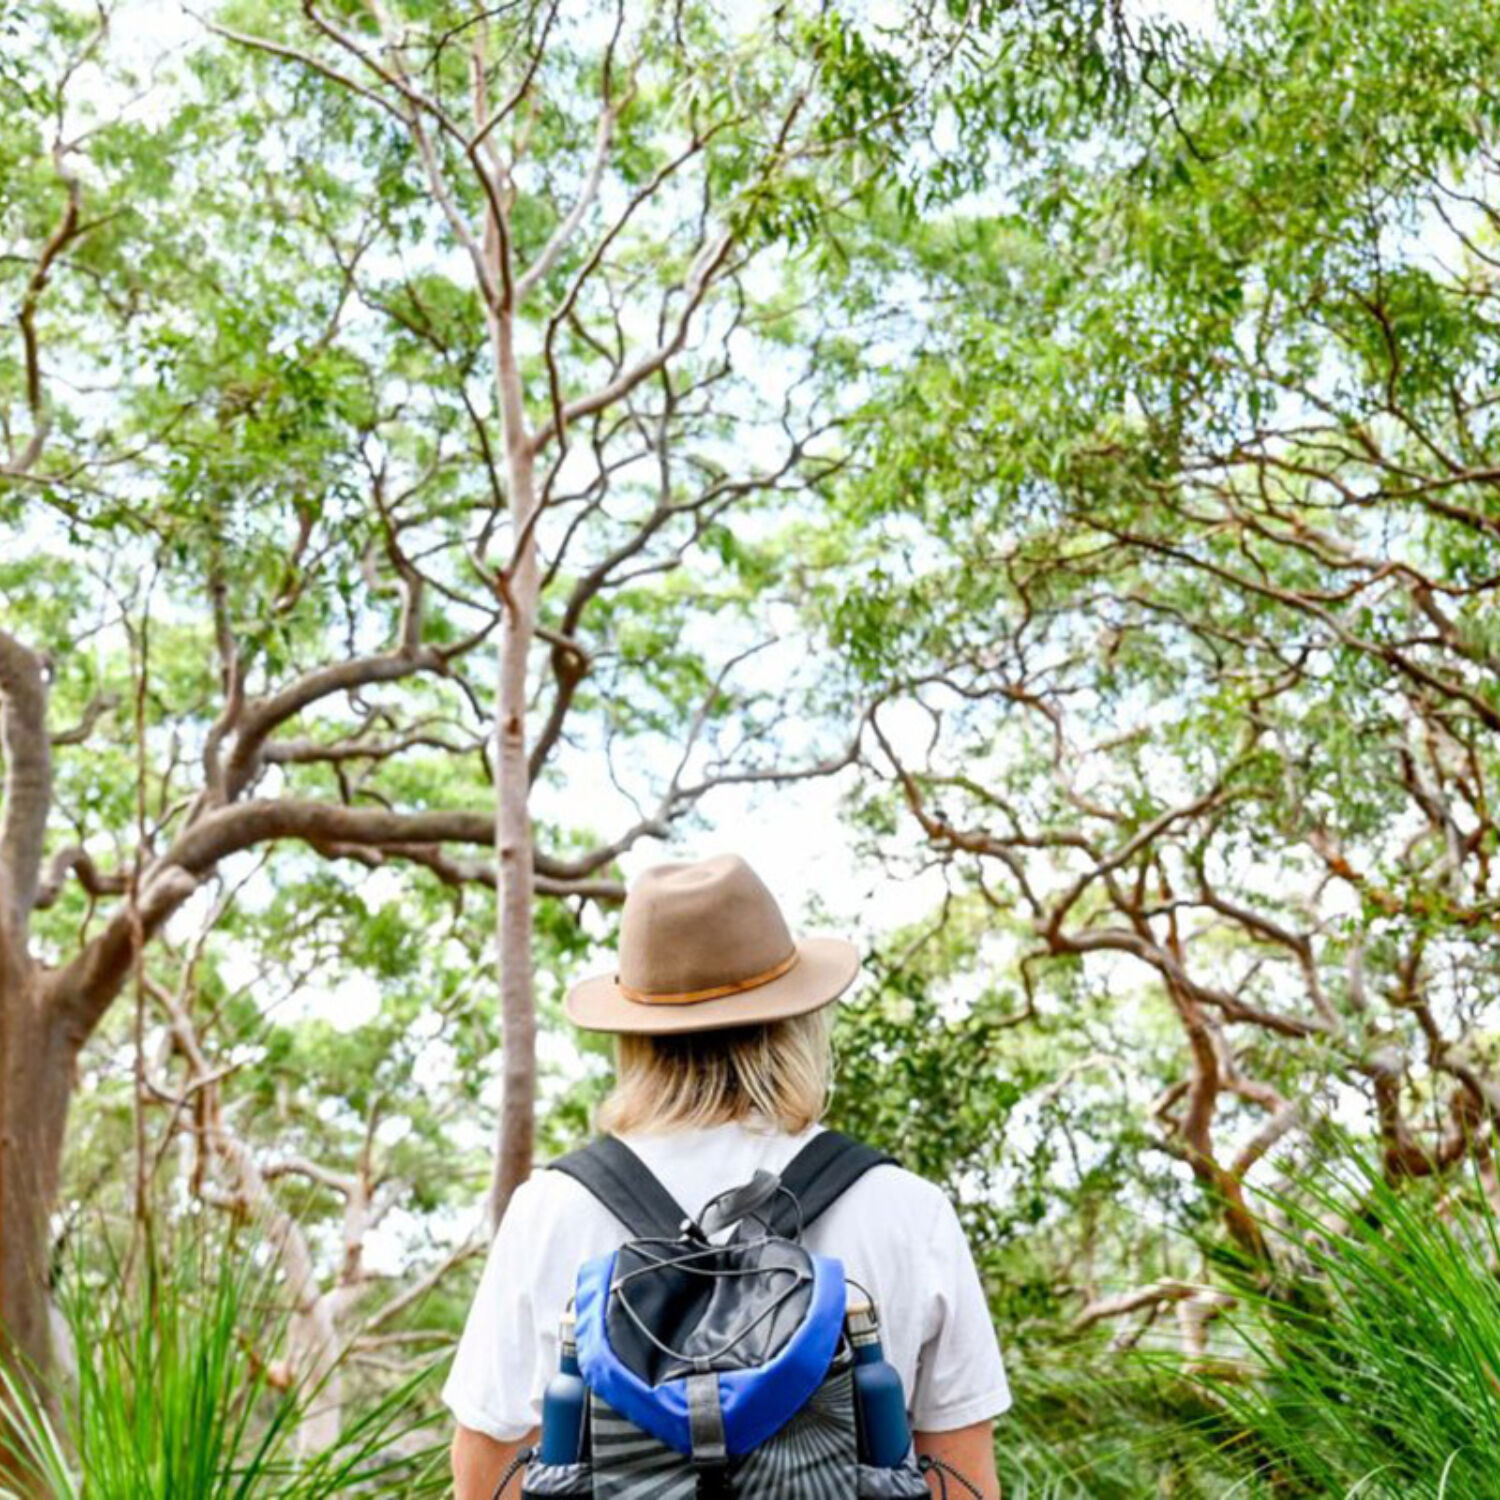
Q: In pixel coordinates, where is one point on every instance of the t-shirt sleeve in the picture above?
(509, 1343)
(960, 1374)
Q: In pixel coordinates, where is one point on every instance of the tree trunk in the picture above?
(37, 1066)
(514, 894)
(37, 1047)
(313, 1355)
(513, 890)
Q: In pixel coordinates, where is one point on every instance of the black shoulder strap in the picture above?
(819, 1175)
(624, 1184)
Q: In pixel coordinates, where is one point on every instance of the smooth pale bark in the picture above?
(514, 901)
(313, 1343)
(514, 868)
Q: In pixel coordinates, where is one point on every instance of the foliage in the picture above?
(1085, 441)
(1368, 1368)
(256, 503)
(1170, 567)
(1375, 1367)
(171, 1400)
(1169, 570)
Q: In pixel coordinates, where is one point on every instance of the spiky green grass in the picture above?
(172, 1402)
(1379, 1357)
(1369, 1369)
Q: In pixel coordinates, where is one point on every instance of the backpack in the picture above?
(712, 1368)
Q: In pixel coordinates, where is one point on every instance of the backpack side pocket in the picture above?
(903, 1483)
(558, 1480)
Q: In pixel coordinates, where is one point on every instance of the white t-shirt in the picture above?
(896, 1234)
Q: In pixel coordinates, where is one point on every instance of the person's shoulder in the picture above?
(549, 1202)
(896, 1181)
(909, 1201)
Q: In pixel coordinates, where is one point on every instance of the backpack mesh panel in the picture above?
(813, 1457)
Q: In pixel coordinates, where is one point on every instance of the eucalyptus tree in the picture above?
(614, 179)
(349, 346)
(1182, 547)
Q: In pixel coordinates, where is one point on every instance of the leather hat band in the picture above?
(715, 992)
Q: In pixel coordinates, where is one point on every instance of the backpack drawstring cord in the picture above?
(928, 1464)
(518, 1463)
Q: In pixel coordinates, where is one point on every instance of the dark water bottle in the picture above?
(884, 1432)
(564, 1404)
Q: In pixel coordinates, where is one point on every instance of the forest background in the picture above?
(1025, 473)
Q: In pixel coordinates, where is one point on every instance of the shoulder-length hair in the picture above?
(779, 1071)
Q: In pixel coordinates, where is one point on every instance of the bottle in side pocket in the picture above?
(880, 1401)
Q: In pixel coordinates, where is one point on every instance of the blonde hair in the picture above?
(780, 1070)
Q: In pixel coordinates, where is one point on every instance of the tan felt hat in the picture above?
(704, 946)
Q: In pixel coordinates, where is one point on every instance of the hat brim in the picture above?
(825, 968)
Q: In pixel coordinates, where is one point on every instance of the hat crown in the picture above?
(699, 925)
